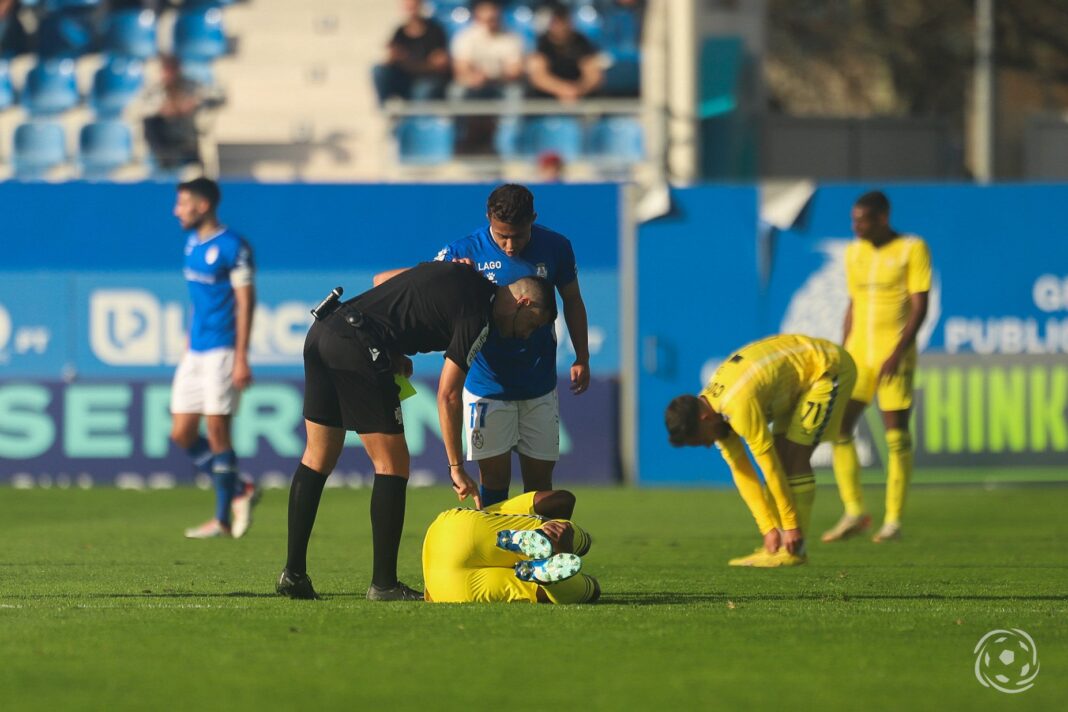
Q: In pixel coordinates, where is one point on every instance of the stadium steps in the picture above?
(299, 91)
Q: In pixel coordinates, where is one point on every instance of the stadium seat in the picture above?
(38, 147)
(198, 35)
(131, 33)
(589, 22)
(453, 17)
(617, 138)
(559, 134)
(623, 77)
(104, 146)
(7, 91)
(425, 140)
(115, 84)
(508, 140)
(520, 19)
(50, 87)
(68, 33)
(60, 5)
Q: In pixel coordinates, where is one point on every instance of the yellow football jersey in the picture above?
(880, 281)
(763, 382)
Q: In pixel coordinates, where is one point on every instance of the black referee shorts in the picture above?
(342, 388)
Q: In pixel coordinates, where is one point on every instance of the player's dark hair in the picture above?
(681, 419)
(542, 292)
(875, 202)
(512, 204)
(203, 188)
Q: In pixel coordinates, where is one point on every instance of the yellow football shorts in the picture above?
(894, 393)
(819, 412)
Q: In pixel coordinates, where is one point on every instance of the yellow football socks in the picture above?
(577, 589)
(803, 486)
(847, 475)
(898, 472)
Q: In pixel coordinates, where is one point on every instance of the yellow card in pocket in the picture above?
(407, 390)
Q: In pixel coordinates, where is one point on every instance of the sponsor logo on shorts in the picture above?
(477, 440)
(398, 415)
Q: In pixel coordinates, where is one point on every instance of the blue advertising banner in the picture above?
(92, 297)
(105, 432)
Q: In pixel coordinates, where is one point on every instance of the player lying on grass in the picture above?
(524, 549)
(781, 395)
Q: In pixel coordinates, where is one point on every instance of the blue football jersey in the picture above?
(209, 266)
(516, 369)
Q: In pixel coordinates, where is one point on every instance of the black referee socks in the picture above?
(304, 495)
(387, 523)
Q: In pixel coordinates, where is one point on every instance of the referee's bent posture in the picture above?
(350, 358)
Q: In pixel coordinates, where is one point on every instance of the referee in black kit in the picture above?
(351, 354)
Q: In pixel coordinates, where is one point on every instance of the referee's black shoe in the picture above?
(295, 586)
(400, 592)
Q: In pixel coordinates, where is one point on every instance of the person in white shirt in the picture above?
(487, 59)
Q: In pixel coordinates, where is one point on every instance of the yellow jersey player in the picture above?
(781, 395)
(524, 549)
(888, 275)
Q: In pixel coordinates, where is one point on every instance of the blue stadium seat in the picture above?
(425, 140)
(7, 91)
(453, 17)
(104, 146)
(69, 33)
(198, 35)
(38, 147)
(520, 19)
(131, 33)
(617, 138)
(559, 134)
(207, 3)
(115, 84)
(589, 22)
(623, 77)
(50, 87)
(508, 141)
(60, 5)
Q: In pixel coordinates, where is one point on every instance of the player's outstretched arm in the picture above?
(450, 416)
(748, 483)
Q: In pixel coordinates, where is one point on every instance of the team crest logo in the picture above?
(543, 271)
(211, 255)
(477, 440)
(397, 414)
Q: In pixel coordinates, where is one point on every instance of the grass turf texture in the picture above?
(104, 606)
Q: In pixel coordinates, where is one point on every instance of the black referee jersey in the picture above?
(434, 306)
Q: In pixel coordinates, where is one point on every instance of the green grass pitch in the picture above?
(104, 606)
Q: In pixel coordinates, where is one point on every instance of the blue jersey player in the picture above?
(213, 371)
(510, 399)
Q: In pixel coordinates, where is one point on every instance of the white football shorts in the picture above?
(204, 383)
(493, 427)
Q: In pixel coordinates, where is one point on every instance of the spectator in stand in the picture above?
(417, 67)
(13, 39)
(565, 65)
(171, 130)
(487, 59)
